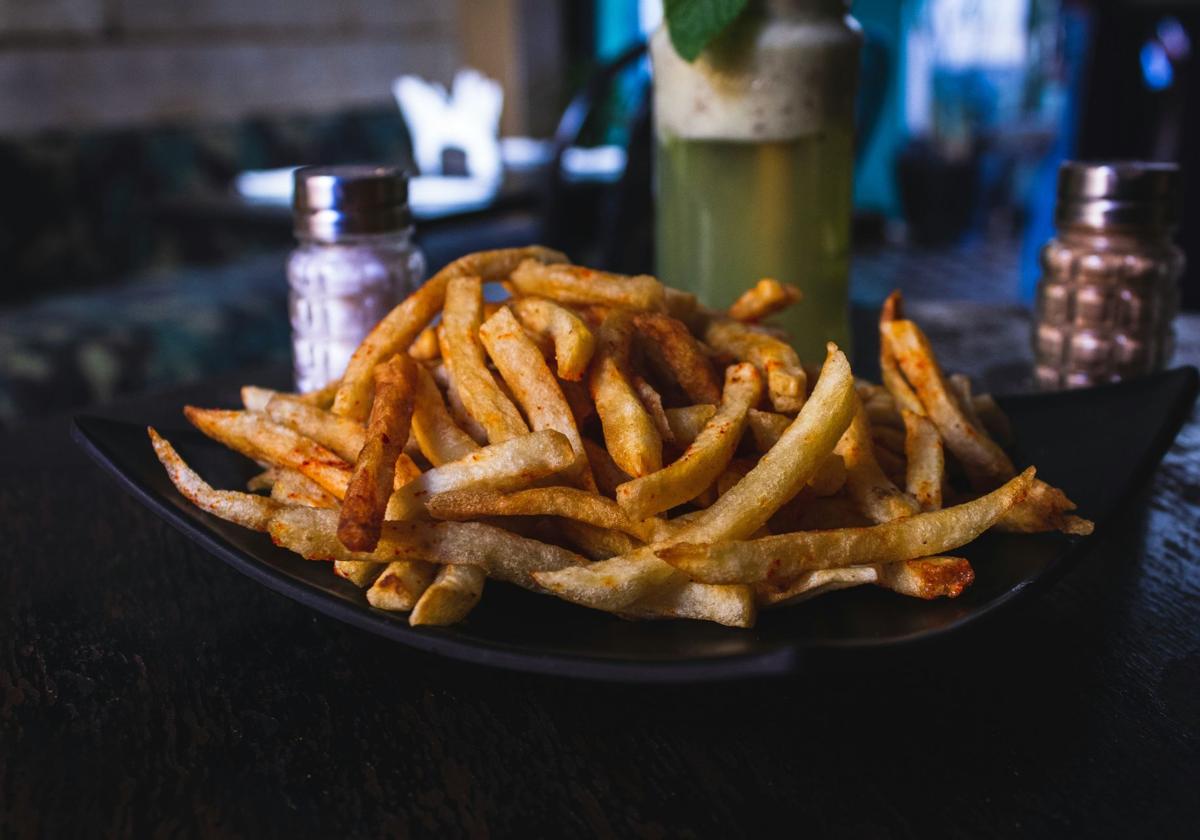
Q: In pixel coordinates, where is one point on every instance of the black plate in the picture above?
(1100, 445)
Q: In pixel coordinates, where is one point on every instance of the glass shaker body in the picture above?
(1110, 279)
(754, 162)
(338, 291)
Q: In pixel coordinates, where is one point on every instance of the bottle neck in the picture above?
(387, 239)
(1121, 238)
(799, 9)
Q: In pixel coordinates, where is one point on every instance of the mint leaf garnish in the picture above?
(693, 24)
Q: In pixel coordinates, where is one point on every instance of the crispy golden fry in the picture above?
(927, 578)
(574, 343)
(608, 475)
(573, 284)
(458, 411)
(1046, 508)
(440, 440)
(829, 478)
(255, 398)
(781, 558)
(399, 585)
(370, 487)
(732, 606)
(763, 299)
(324, 396)
(264, 480)
(463, 353)
(687, 421)
(400, 327)
(672, 346)
(245, 509)
(338, 434)
(926, 466)
(293, 488)
(425, 346)
(629, 432)
(984, 462)
(567, 502)
(902, 394)
(871, 490)
(452, 595)
(767, 427)
(680, 304)
(510, 465)
(886, 437)
(501, 554)
(960, 390)
(777, 361)
(705, 458)
(617, 583)
(738, 469)
(578, 399)
(256, 437)
(994, 419)
(533, 384)
(653, 403)
(597, 543)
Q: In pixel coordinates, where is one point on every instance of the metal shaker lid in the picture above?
(329, 202)
(1118, 194)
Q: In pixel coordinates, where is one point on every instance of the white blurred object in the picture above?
(522, 154)
(466, 118)
(603, 164)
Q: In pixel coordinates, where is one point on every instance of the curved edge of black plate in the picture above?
(780, 660)
(429, 640)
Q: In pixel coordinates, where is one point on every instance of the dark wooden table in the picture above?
(146, 689)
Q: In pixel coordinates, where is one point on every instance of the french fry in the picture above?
(671, 344)
(440, 440)
(425, 347)
(605, 470)
(463, 353)
(705, 459)
(926, 468)
(255, 398)
(775, 360)
(397, 586)
(371, 485)
(763, 299)
(502, 554)
(256, 437)
(960, 389)
(293, 488)
(732, 606)
(984, 462)
(653, 403)
(524, 369)
(574, 343)
(566, 502)
(597, 543)
(629, 432)
(246, 509)
(458, 411)
(767, 427)
(993, 418)
(872, 491)
(264, 480)
(902, 394)
(1046, 508)
(687, 421)
(781, 558)
(452, 595)
(500, 466)
(400, 327)
(339, 434)
(617, 583)
(572, 284)
(926, 578)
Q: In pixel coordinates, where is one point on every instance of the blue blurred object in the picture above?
(1156, 66)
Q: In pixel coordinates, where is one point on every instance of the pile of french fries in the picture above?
(605, 439)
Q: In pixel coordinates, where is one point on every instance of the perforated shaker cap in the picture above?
(330, 202)
(1108, 194)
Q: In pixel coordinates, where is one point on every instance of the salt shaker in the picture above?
(1110, 279)
(354, 261)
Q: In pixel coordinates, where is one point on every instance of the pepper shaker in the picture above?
(354, 261)
(1110, 278)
